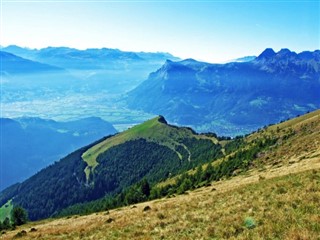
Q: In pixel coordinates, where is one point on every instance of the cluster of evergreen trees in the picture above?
(144, 191)
(136, 193)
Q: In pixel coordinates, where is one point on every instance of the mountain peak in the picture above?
(161, 119)
(285, 52)
(167, 62)
(267, 53)
(15, 47)
(166, 66)
(188, 60)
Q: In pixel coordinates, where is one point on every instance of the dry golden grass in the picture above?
(282, 202)
(295, 123)
(303, 144)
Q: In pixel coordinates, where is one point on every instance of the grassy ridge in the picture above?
(294, 124)
(296, 139)
(154, 130)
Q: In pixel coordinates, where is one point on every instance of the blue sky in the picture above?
(212, 31)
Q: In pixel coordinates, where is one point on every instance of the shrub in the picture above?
(146, 208)
(249, 223)
(21, 234)
(19, 216)
(161, 216)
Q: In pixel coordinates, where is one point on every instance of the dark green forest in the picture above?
(64, 184)
(241, 161)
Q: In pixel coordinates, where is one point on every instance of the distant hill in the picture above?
(13, 65)
(153, 150)
(244, 59)
(20, 74)
(30, 144)
(233, 98)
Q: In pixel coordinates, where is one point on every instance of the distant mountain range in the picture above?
(92, 58)
(108, 69)
(233, 98)
(30, 144)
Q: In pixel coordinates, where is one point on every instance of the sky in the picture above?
(212, 31)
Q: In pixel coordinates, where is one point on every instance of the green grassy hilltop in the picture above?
(155, 130)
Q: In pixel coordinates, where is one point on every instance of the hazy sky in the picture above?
(212, 31)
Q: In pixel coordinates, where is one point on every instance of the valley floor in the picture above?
(280, 202)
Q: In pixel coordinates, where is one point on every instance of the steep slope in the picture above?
(153, 150)
(276, 198)
(30, 144)
(291, 146)
(232, 98)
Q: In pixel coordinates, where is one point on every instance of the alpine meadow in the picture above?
(160, 120)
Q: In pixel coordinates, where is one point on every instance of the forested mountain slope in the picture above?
(153, 150)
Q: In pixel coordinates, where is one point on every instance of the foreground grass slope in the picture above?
(244, 207)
